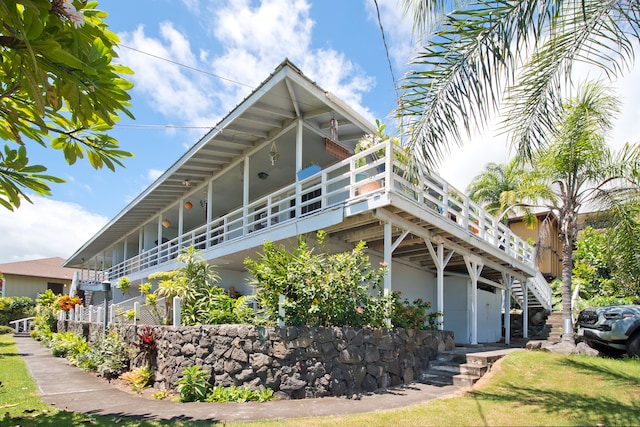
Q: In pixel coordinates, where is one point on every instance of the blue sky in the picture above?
(337, 43)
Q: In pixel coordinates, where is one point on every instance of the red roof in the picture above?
(45, 267)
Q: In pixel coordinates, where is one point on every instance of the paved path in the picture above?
(70, 388)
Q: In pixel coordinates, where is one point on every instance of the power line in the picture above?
(386, 49)
(185, 66)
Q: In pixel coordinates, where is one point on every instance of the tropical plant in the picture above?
(46, 299)
(505, 190)
(59, 87)
(476, 54)
(146, 345)
(108, 356)
(66, 302)
(138, 378)
(68, 344)
(124, 284)
(194, 384)
(319, 289)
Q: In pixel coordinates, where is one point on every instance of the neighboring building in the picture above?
(545, 237)
(31, 278)
(246, 182)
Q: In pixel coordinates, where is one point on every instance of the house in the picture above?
(31, 278)
(246, 181)
(545, 236)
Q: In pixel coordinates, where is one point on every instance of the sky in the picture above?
(227, 47)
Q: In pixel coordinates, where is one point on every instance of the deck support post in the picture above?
(440, 260)
(388, 253)
(507, 279)
(474, 267)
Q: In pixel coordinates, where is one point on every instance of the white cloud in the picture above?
(176, 92)
(153, 174)
(251, 39)
(46, 228)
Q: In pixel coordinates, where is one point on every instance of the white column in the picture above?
(441, 261)
(245, 195)
(474, 267)
(298, 167)
(507, 279)
(208, 212)
(180, 223)
(177, 321)
(388, 253)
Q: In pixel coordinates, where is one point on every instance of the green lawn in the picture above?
(530, 388)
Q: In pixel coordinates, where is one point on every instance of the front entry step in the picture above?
(463, 366)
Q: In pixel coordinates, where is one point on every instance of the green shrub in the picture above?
(14, 308)
(6, 330)
(222, 394)
(413, 315)
(68, 344)
(320, 289)
(108, 356)
(194, 384)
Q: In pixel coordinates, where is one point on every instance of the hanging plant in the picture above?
(274, 155)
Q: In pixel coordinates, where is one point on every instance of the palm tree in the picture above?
(484, 53)
(582, 171)
(507, 189)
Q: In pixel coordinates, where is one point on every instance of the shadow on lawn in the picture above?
(595, 367)
(576, 407)
(64, 418)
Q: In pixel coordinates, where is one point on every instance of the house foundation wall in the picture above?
(295, 362)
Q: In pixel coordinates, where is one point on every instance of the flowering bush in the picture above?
(66, 302)
(413, 315)
(320, 289)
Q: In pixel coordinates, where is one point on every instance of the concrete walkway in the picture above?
(70, 388)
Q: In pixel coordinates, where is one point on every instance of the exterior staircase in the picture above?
(463, 366)
(552, 330)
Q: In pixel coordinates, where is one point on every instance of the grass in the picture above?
(530, 388)
(20, 404)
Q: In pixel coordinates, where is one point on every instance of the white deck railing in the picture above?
(337, 185)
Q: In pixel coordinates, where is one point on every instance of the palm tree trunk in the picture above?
(567, 267)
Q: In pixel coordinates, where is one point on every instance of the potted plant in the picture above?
(123, 285)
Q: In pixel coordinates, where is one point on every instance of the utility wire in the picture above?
(386, 49)
(186, 66)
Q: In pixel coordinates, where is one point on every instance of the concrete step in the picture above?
(21, 334)
(465, 380)
(437, 377)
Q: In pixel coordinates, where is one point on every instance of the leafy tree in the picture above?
(58, 85)
(591, 264)
(480, 55)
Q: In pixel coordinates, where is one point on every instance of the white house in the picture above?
(243, 183)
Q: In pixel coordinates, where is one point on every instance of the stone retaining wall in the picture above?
(296, 362)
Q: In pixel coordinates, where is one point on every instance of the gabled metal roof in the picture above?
(285, 96)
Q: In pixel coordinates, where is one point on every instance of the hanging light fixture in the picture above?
(188, 205)
(333, 129)
(166, 223)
